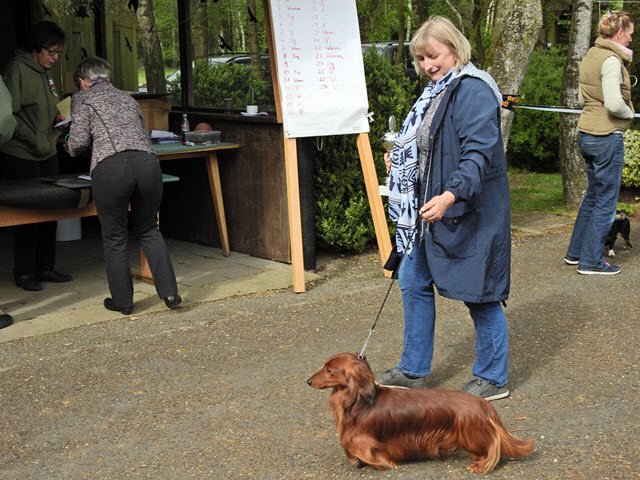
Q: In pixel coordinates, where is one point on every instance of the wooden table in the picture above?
(210, 155)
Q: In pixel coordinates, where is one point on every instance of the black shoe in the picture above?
(53, 276)
(5, 320)
(109, 305)
(173, 301)
(28, 283)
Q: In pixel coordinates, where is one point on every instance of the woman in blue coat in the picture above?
(450, 200)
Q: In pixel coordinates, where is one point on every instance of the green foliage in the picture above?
(227, 85)
(343, 219)
(378, 20)
(534, 138)
(343, 216)
(631, 169)
(627, 208)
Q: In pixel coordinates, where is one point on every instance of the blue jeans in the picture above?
(604, 157)
(492, 341)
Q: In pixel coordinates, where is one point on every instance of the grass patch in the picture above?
(536, 192)
(142, 75)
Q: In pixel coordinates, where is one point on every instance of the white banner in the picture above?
(320, 67)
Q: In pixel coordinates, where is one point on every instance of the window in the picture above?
(229, 57)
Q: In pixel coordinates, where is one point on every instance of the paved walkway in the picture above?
(203, 274)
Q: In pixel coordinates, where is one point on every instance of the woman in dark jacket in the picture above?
(31, 152)
(450, 200)
(124, 172)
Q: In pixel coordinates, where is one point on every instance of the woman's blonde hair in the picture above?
(612, 21)
(440, 29)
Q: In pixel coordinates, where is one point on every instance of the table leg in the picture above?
(144, 275)
(218, 204)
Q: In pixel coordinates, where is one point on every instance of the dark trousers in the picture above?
(35, 244)
(123, 179)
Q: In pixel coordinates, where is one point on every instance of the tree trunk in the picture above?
(518, 23)
(151, 49)
(476, 32)
(571, 162)
(254, 44)
(421, 11)
(200, 30)
(402, 32)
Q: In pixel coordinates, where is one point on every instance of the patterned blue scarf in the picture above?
(403, 197)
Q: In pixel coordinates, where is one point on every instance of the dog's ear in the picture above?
(361, 381)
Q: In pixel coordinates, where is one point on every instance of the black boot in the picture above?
(109, 305)
(5, 320)
(172, 301)
(29, 283)
(53, 276)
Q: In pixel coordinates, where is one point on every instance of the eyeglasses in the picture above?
(53, 52)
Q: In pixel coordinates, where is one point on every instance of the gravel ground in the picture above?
(218, 390)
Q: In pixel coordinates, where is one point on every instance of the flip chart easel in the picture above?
(319, 89)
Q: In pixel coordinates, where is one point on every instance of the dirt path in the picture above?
(217, 390)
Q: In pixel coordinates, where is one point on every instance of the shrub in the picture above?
(534, 138)
(343, 216)
(226, 85)
(631, 169)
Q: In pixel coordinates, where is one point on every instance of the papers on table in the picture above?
(161, 136)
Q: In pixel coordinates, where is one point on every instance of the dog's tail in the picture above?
(501, 444)
(510, 445)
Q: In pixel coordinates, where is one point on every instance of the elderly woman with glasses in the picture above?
(31, 152)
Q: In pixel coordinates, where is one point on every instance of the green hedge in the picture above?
(226, 85)
(534, 139)
(631, 169)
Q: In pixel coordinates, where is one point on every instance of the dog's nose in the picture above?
(309, 381)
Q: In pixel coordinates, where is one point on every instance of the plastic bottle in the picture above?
(184, 127)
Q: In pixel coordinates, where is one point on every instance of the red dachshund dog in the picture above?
(381, 426)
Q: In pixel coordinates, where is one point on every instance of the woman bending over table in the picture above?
(124, 171)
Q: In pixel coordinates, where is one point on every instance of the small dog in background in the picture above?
(621, 227)
(381, 426)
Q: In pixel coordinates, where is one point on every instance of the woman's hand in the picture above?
(387, 161)
(434, 209)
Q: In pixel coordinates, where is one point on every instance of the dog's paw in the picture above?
(611, 253)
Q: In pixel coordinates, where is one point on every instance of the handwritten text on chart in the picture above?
(296, 34)
(320, 67)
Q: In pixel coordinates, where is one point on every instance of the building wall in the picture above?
(253, 188)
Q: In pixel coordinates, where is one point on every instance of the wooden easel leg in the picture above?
(375, 202)
(293, 207)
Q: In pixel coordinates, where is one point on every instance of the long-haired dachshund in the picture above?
(381, 426)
